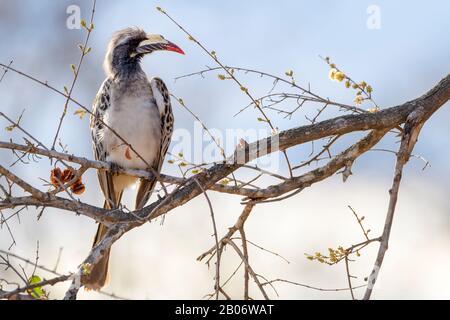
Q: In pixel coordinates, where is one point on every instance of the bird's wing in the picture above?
(101, 104)
(162, 99)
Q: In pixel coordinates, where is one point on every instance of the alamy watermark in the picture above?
(199, 146)
(374, 19)
(73, 21)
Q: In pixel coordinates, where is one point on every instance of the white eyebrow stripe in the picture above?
(152, 41)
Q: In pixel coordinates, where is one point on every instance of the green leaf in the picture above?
(74, 69)
(37, 292)
(289, 73)
(80, 112)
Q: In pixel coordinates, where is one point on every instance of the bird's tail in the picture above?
(97, 276)
(112, 188)
(144, 192)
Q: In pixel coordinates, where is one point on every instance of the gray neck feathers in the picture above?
(120, 66)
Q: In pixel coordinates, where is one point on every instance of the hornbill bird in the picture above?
(131, 125)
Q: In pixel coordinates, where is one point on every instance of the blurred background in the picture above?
(404, 56)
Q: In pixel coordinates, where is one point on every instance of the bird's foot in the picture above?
(114, 168)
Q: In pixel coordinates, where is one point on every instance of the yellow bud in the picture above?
(339, 76)
(80, 112)
(86, 268)
(221, 77)
(332, 74)
(359, 99)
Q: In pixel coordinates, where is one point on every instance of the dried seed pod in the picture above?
(67, 175)
(78, 187)
(56, 177)
(59, 177)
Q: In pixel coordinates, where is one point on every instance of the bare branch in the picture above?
(413, 126)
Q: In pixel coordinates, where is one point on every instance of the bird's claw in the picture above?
(114, 168)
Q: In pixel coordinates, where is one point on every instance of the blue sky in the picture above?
(402, 60)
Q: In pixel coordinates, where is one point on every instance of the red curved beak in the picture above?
(173, 47)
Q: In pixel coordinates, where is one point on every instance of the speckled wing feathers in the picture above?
(162, 99)
(101, 104)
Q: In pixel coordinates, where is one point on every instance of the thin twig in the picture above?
(213, 219)
(76, 71)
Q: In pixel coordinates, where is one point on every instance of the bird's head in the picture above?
(127, 47)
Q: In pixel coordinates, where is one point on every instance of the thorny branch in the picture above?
(412, 115)
(84, 51)
(381, 121)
